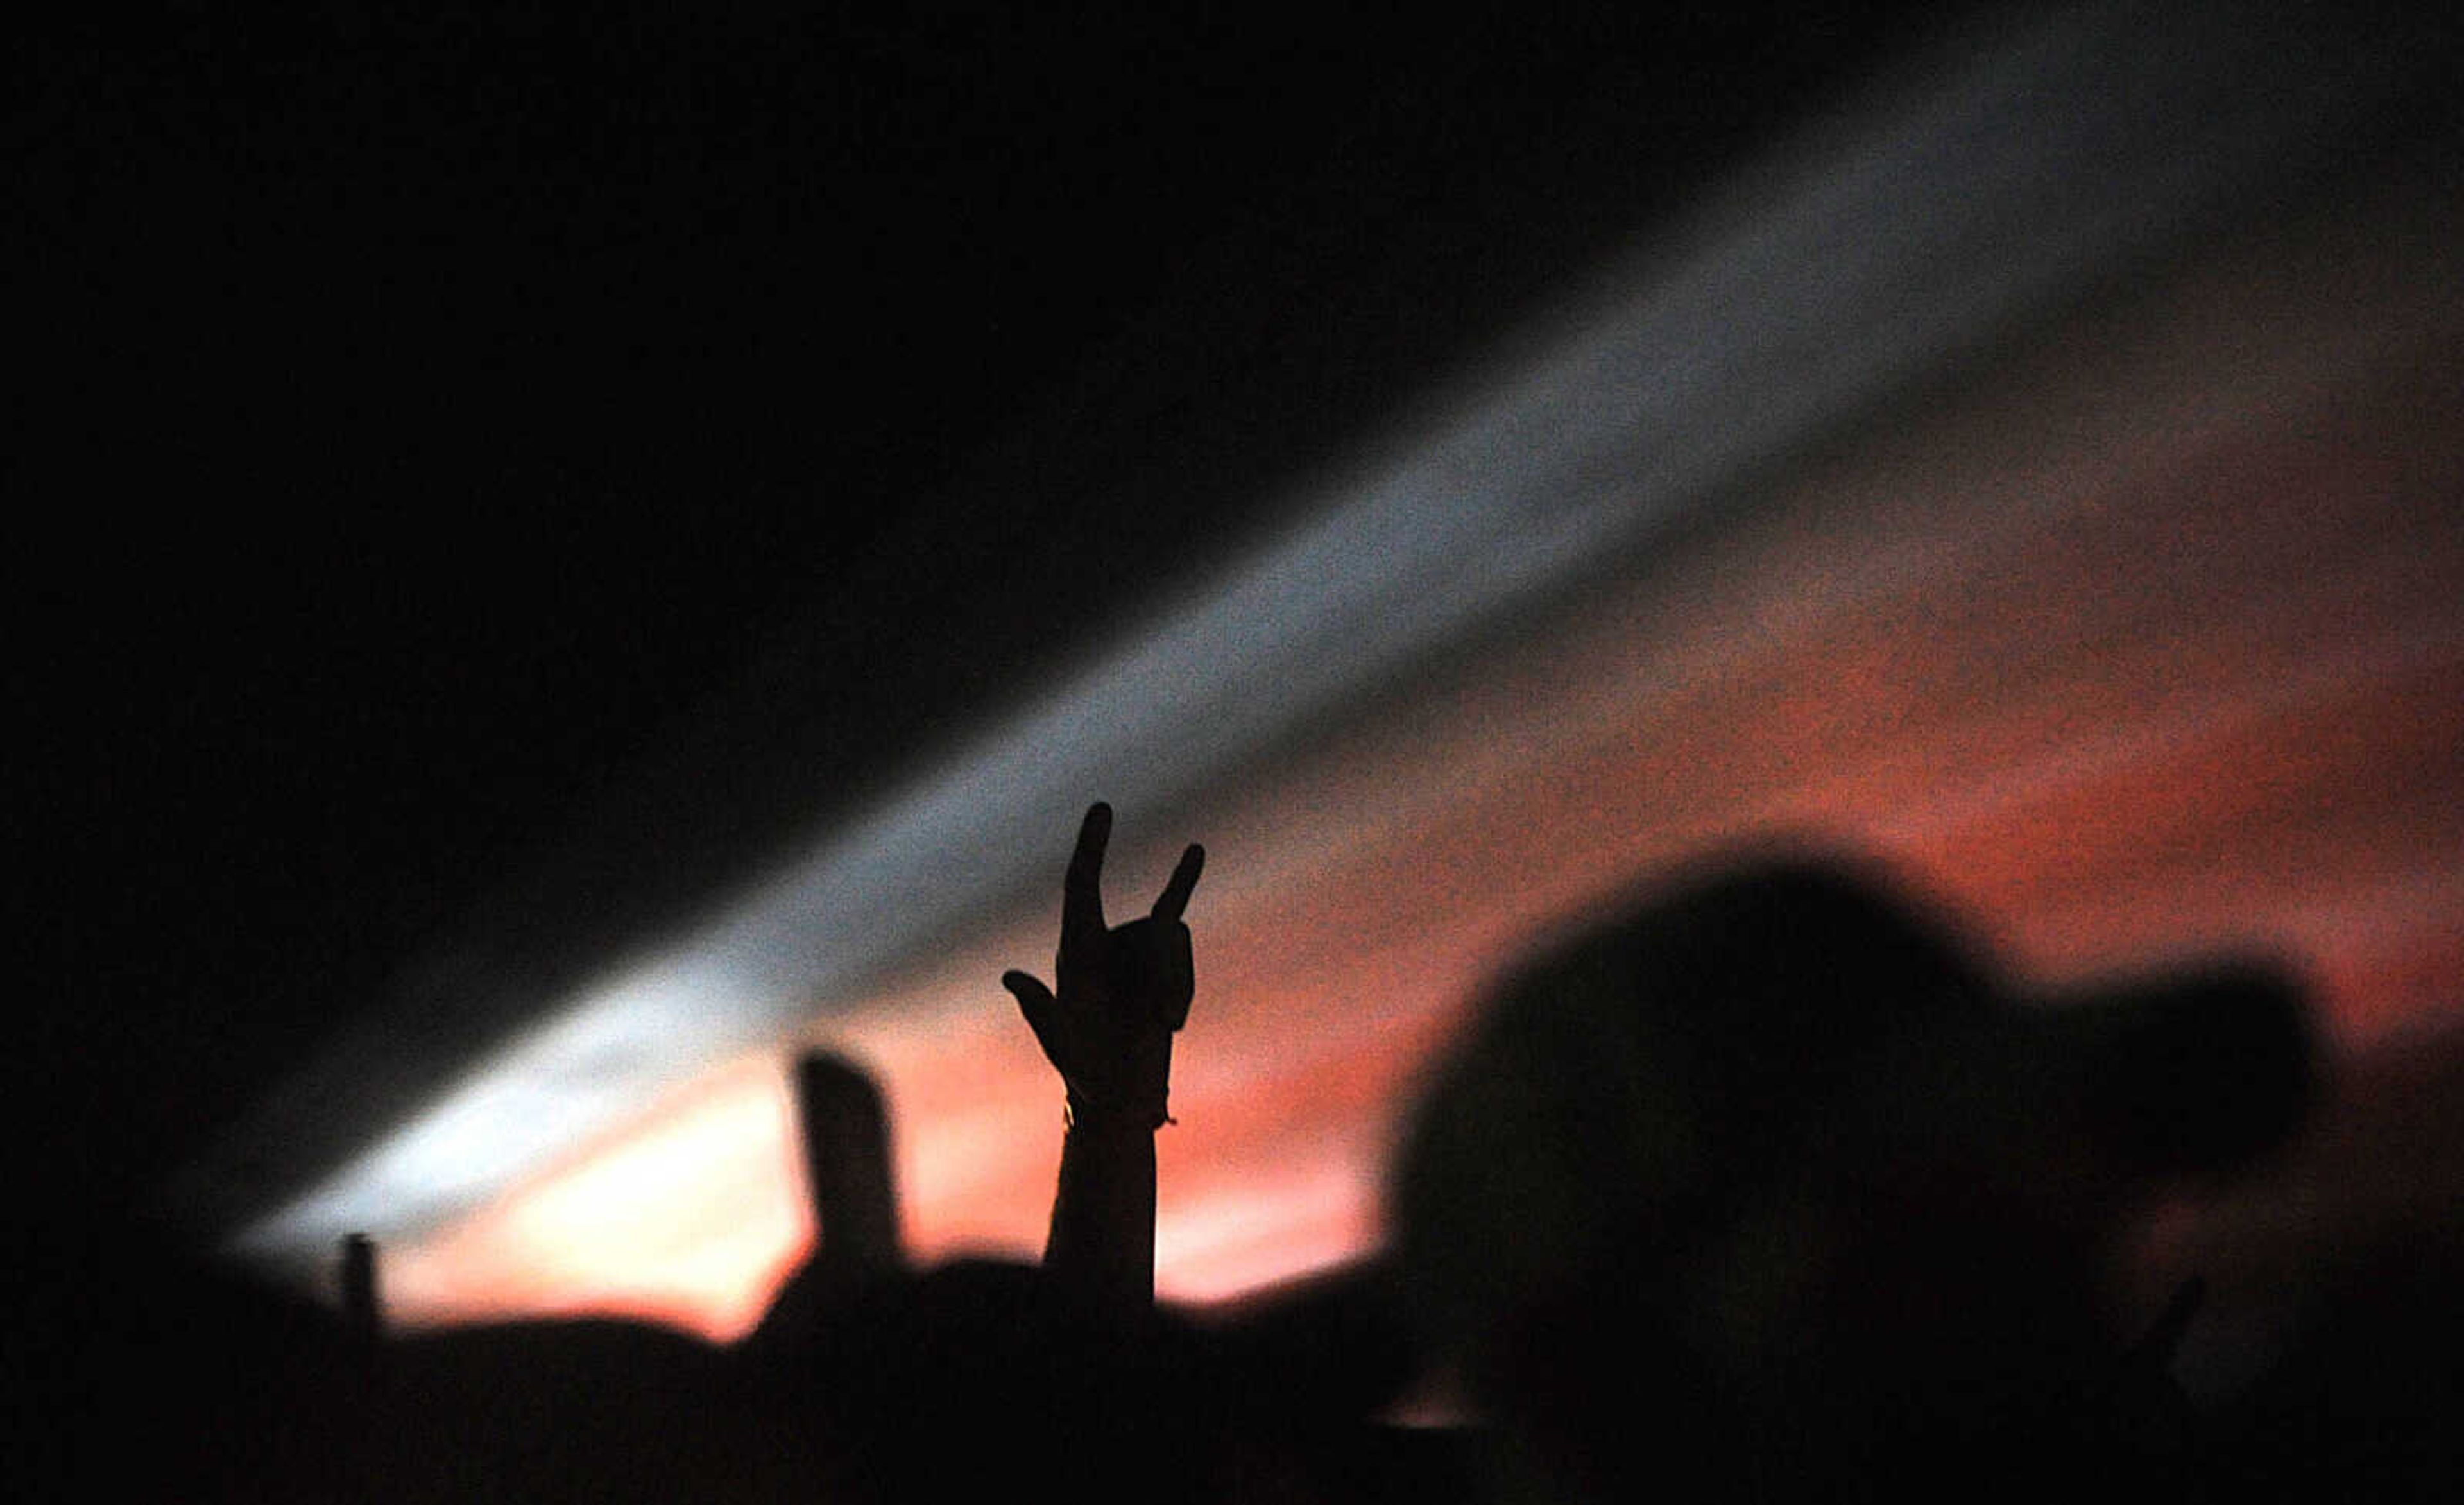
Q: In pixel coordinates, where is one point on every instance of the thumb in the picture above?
(1035, 1001)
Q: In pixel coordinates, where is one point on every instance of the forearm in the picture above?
(1101, 1243)
(1119, 995)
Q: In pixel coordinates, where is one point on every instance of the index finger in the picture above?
(1082, 888)
(1184, 877)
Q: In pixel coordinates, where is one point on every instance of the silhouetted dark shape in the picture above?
(850, 1178)
(140, 1371)
(982, 1375)
(362, 1311)
(575, 1410)
(1118, 996)
(1770, 1190)
(2365, 1401)
(846, 1161)
(2370, 1403)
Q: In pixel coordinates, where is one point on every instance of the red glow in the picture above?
(2155, 644)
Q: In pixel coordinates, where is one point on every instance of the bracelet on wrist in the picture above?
(1075, 1112)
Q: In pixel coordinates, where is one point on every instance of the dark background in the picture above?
(437, 414)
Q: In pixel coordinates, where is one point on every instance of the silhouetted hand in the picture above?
(1122, 991)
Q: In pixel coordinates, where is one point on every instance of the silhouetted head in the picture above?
(1615, 1090)
(1771, 1163)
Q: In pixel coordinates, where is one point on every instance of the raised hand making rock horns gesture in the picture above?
(1106, 1026)
(1121, 992)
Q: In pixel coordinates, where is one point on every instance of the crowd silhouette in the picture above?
(1769, 1187)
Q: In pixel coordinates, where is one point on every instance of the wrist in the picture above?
(1082, 1117)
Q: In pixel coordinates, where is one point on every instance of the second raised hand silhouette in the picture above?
(1107, 1024)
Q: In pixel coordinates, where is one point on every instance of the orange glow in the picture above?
(2154, 643)
(684, 1219)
